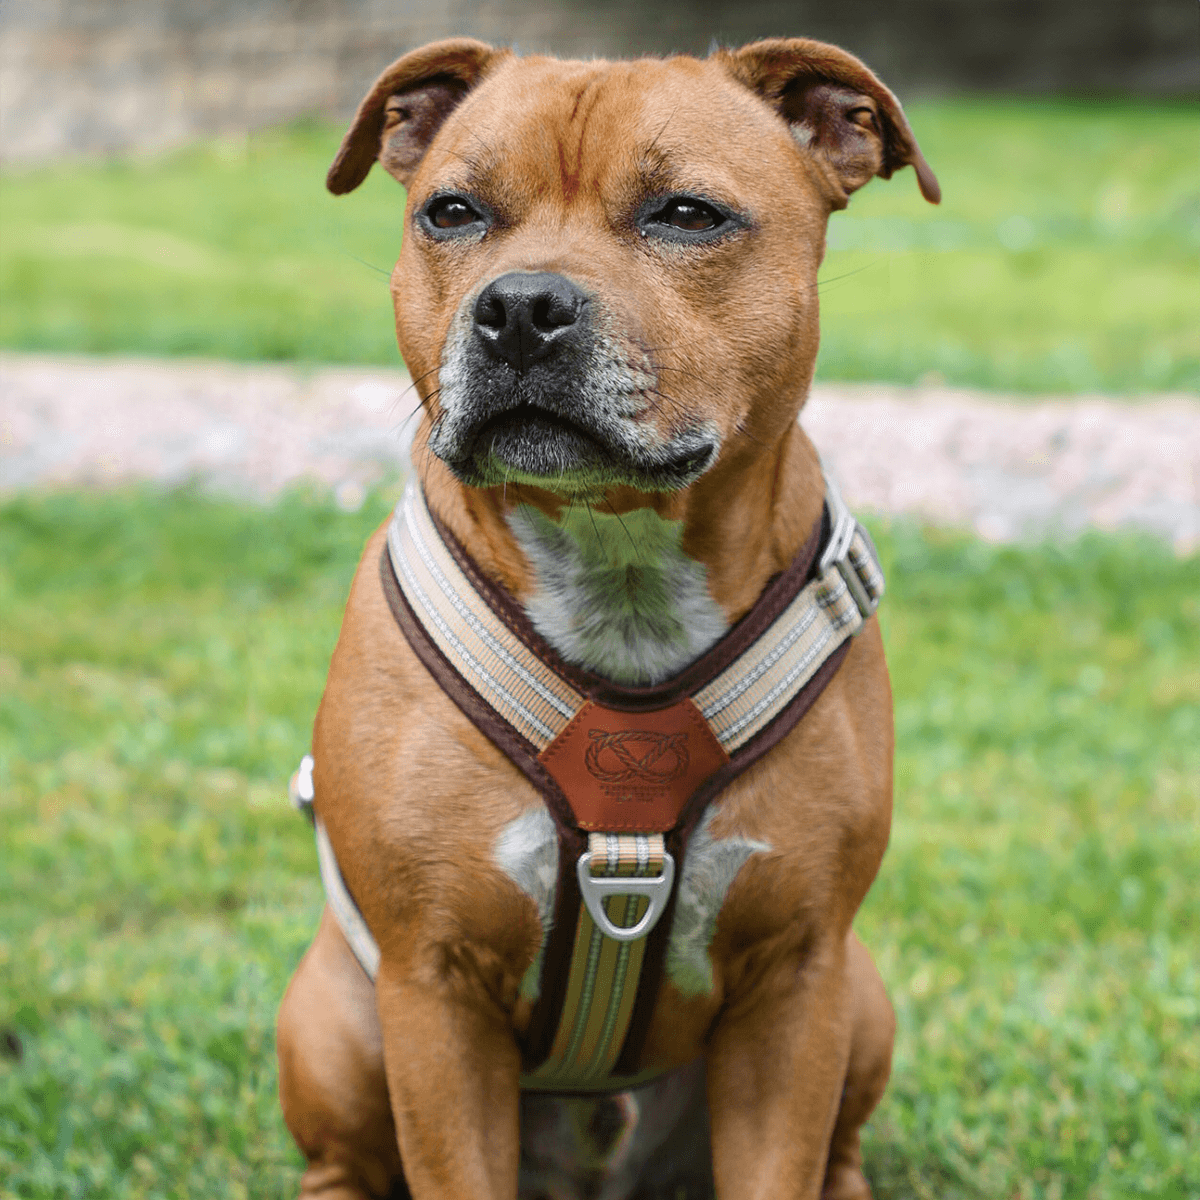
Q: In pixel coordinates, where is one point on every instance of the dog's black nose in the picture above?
(523, 317)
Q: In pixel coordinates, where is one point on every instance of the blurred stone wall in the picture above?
(97, 76)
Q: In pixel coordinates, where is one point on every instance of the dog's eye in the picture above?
(692, 216)
(450, 212)
(685, 219)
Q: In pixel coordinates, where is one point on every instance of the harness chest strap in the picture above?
(626, 773)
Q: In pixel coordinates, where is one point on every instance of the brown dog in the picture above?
(607, 299)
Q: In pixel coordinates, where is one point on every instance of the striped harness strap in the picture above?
(626, 773)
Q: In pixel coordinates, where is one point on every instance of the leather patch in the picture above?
(632, 772)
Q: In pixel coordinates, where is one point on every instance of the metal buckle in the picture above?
(300, 787)
(595, 889)
(837, 552)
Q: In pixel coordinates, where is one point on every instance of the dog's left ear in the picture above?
(836, 108)
(405, 108)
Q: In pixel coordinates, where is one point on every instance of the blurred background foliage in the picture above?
(1065, 256)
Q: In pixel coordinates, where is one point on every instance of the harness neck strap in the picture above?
(485, 643)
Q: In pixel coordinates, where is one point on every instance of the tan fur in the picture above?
(797, 1029)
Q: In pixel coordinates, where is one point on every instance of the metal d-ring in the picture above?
(595, 889)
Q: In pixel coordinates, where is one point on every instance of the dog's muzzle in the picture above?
(533, 391)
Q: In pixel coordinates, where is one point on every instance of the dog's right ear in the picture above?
(405, 108)
(836, 108)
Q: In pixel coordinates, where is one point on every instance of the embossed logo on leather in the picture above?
(632, 771)
(636, 756)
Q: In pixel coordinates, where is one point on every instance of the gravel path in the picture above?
(1006, 470)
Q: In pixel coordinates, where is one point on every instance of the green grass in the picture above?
(1035, 919)
(1065, 257)
(230, 249)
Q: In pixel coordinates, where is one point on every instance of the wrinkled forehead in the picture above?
(545, 129)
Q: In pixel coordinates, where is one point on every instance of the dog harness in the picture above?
(625, 772)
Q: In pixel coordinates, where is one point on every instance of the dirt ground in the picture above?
(1007, 468)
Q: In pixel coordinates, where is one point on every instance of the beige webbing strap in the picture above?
(602, 984)
(507, 675)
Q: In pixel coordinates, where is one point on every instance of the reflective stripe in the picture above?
(826, 616)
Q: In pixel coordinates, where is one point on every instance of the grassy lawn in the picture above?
(1036, 917)
(1065, 257)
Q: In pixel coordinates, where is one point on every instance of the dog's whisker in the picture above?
(411, 386)
(427, 454)
(685, 372)
(742, 431)
(662, 129)
(402, 428)
(595, 527)
(654, 406)
(362, 262)
(471, 162)
(636, 548)
(823, 284)
(416, 413)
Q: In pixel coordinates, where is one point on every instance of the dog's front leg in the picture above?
(776, 1068)
(453, 1073)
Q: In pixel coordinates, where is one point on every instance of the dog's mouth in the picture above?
(527, 436)
(531, 444)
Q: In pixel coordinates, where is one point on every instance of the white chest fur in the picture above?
(617, 595)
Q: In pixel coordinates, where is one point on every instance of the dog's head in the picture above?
(608, 277)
